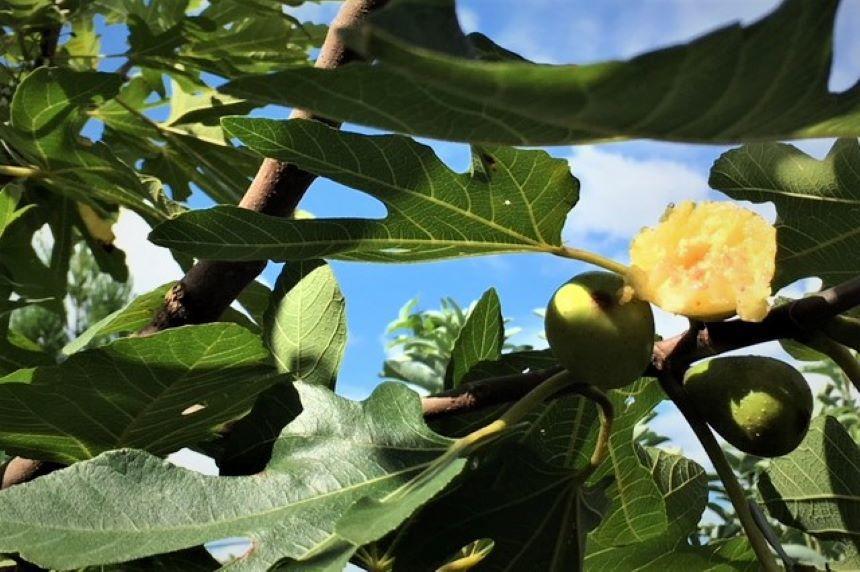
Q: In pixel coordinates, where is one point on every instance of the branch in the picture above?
(794, 320)
(210, 286)
(47, 46)
(484, 393)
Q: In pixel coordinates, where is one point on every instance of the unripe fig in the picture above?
(597, 332)
(760, 405)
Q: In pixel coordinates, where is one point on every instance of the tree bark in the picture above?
(210, 286)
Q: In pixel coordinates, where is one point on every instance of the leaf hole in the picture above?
(191, 410)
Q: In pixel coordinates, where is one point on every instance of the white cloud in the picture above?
(620, 194)
(148, 265)
(469, 19)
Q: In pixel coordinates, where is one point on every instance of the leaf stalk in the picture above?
(17, 171)
(592, 258)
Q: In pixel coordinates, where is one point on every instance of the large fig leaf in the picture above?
(638, 509)
(129, 504)
(816, 489)
(158, 393)
(684, 487)
(536, 514)
(766, 80)
(817, 204)
(511, 201)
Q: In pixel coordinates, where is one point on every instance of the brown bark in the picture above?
(210, 286)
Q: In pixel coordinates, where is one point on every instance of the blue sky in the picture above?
(624, 185)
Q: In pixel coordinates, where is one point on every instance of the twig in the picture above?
(484, 393)
(769, 534)
(47, 46)
(840, 354)
(845, 330)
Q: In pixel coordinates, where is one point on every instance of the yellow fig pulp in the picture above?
(706, 261)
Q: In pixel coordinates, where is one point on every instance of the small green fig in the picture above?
(759, 404)
(598, 332)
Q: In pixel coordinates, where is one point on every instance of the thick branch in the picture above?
(795, 320)
(210, 286)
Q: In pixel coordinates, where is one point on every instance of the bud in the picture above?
(707, 261)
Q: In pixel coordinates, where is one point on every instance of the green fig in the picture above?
(759, 404)
(598, 332)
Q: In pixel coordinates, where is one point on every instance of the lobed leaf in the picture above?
(334, 454)
(511, 201)
(683, 486)
(815, 488)
(158, 393)
(738, 83)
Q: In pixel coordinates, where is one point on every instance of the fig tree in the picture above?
(760, 405)
(599, 333)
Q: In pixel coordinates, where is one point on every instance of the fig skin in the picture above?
(599, 335)
(760, 405)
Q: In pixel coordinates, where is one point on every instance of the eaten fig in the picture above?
(759, 404)
(598, 332)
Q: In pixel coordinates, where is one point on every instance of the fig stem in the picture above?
(592, 258)
(16, 171)
(607, 415)
(840, 354)
(670, 384)
(518, 411)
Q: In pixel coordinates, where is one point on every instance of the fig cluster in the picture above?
(604, 336)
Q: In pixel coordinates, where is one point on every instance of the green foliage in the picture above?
(428, 338)
(374, 449)
(433, 213)
(480, 339)
(426, 345)
(815, 489)
(314, 480)
(307, 302)
(88, 317)
(178, 387)
(683, 486)
(730, 85)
